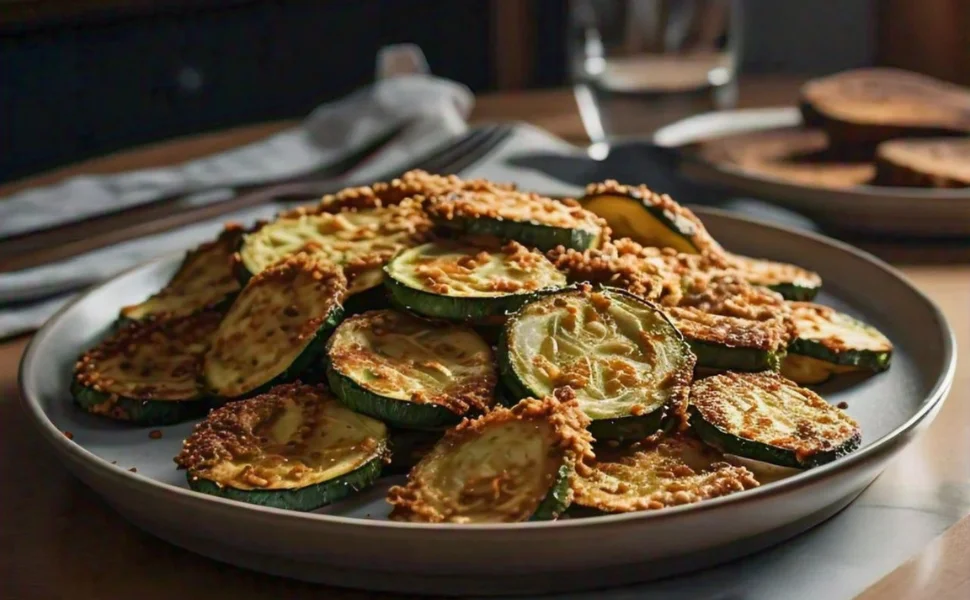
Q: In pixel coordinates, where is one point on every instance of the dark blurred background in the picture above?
(79, 78)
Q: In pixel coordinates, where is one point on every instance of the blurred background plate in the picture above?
(867, 209)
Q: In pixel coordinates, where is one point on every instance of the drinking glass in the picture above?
(637, 64)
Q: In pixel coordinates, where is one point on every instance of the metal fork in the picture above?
(47, 247)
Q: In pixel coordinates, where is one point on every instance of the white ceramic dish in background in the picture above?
(351, 545)
(864, 208)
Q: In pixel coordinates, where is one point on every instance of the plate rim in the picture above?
(792, 118)
(74, 453)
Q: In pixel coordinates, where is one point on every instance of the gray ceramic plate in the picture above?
(351, 544)
(862, 208)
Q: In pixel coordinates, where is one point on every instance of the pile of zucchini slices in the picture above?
(512, 354)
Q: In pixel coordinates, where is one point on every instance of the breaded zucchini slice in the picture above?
(659, 472)
(409, 446)
(513, 464)
(791, 281)
(480, 284)
(410, 372)
(648, 218)
(628, 365)
(529, 219)
(147, 373)
(204, 281)
(276, 328)
(721, 342)
(293, 447)
(829, 342)
(358, 240)
(763, 416)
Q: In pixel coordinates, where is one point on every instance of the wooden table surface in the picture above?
(61, 541)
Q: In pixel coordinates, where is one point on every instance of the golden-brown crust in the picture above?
(658, 473)
(699, 326)
(829, 328)
(217, 279)
(561, 413)
(758, 271)
(151, 355)
(415, 185)
(444, 273)
(243, 444)
(513, 206)
(462, 393)
(815, 425)
(228, 432)
(686, 220)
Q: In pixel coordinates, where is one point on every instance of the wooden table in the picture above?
(61, 540)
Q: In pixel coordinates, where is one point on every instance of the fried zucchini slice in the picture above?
(721, 342)
(529, 219)
(829, 342)
(276, 328)
(410, 372)
(294, 447)
(481, 284)
(628, 365)
(648, 218)
(359, 241)
(763, 416)
(658, 473)
(147, 373)
(204, 281)
(513, 464)
(791, 281)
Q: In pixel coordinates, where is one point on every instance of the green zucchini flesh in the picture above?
(204, 281)
(529, 219)
(628, 365)
(512, 464)
(294, 447)
(276, 328)
(791, 281)
(360, 241)
(147, 373)
(657, 473)
(410, 372)
(731, 343)
(836, 338)
(763, 416)
(648, 218)
(480, 284)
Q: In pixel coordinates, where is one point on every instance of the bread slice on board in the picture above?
(936, 163)
(800, 156)
(869, 106)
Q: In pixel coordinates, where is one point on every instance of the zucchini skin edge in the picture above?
(303, 499)
(541, 236)
(558, 498)
(863, 359)
(141, 412)
(460, 309)
(713, 356)
(396, 413)
(731, 444)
